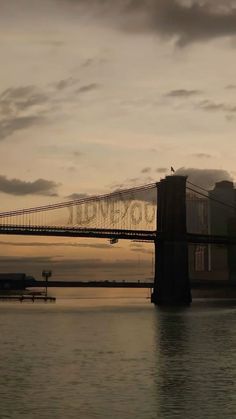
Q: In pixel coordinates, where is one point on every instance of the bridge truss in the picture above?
(123, 214)
(129, 214)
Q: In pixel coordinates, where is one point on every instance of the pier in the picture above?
(28, 298)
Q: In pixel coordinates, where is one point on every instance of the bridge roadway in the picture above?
(196, 284)
(94, 284)
(119, 234)
(100, 233)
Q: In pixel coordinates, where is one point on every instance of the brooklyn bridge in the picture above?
(193, 230)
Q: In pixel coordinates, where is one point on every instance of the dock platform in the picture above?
(31, 298)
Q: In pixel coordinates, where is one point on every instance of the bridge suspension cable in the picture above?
(211, 198)
(78, 201)
(125, 209)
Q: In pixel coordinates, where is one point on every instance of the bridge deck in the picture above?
(78, 232)
(119, 234)
(195, 284)
(93, 284)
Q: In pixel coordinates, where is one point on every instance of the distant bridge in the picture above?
(94, 284)
(156, 213)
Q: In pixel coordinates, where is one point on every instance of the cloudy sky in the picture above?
(100, 93)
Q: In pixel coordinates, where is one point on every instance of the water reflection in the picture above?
(195, 362)
(123, 361)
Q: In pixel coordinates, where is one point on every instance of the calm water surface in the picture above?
(117, 358)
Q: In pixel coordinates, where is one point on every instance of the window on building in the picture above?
(201, 258)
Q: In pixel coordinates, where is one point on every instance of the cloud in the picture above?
(145, 195)
(19, 187)
(25, 259)
(72, 263)
(51, 43)
(77, 153)
(182, 93)
(59, 244)
(88, 62)
(77, 269)
(74, 196)
(21, 98)
(65, 83)
(71, 169)
(25, 106)
(202, 155)
(147, 251)
(21, 108)
(161, 170)
(146, 170)
(197, 21)
(184, 21)
(10, 125)
(87, 88)
(210, 106)
(139, 248)
(205, 178)
(230, 87)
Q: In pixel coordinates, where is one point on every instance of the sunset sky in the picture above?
(96, 95)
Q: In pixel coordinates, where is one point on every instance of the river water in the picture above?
(117, 358)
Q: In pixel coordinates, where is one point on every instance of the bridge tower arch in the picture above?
(171, 281)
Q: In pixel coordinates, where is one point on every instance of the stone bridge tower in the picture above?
(171, 282)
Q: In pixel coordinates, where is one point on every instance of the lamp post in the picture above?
(46, 275)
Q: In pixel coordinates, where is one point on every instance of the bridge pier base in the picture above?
(171, 282)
